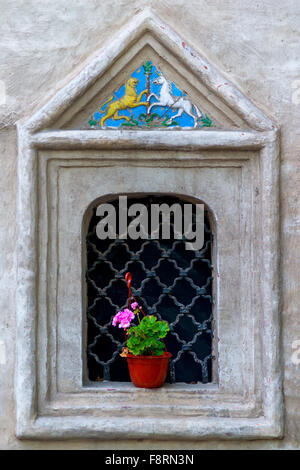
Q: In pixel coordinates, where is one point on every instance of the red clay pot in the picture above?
(148, 371)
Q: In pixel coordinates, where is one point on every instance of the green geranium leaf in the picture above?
(145, 338)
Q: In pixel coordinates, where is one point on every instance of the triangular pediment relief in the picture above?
(149, 77)
(149, 99)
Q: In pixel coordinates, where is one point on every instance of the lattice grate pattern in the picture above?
(169, 281)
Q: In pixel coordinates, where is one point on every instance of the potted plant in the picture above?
(145, 350)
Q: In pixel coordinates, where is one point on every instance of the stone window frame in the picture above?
(257, 417)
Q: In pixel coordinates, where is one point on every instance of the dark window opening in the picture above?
(168, 280)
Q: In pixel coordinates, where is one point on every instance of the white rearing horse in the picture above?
(166, 98)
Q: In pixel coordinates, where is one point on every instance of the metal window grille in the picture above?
(168, 280)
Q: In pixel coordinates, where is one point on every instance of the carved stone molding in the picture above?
(62, 170)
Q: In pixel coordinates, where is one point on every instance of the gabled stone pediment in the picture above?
(149, 100)
(202, 96)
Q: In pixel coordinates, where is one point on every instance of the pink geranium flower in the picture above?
(134, 305)
(123, 318)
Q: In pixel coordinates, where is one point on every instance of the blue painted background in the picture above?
(183, 121)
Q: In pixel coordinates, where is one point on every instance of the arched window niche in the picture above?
(170, 281)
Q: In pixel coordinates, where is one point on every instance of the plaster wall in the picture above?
(44, 44)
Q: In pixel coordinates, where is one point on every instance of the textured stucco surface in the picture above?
(44, 44)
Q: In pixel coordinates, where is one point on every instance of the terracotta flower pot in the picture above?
(148, 371)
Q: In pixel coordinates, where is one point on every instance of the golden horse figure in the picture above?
(129, 100)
